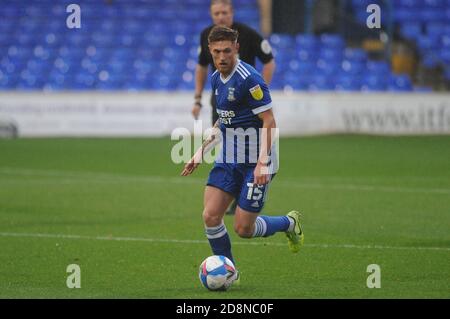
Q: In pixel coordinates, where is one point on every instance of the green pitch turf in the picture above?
(119, 210)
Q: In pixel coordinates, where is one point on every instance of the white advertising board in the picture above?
(158, 114)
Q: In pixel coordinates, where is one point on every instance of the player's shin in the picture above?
(266, 226)
(219, 240)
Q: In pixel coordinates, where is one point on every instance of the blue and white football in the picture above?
(217, 273)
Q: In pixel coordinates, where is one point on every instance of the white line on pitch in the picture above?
(105, 177)
(189, 241)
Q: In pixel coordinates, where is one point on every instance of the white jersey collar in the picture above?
(224, 81)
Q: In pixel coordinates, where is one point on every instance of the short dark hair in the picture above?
(225, 2)
(222, 34)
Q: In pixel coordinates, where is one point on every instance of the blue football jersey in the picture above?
(240, 98)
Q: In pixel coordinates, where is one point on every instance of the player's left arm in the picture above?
(261, 173)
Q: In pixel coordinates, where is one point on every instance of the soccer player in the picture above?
(252, 46)
(244, 167)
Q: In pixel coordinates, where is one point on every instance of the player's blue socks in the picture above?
(266, 226)
(219, 241)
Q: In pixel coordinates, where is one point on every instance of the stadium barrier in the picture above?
(103, 114)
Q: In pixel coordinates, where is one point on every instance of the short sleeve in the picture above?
(259, 98)
(262, 48)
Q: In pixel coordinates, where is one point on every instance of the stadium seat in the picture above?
(327, 68)
(146, 45)
(435, 15)
(282, 41)
(435, 4)
(445, 55)
(373, 82)
(411, 30)
(402, 15)
(400, 83)
(355, 55)
(321, 83)
(380, 68)
(436, 29)
(409, 3)
(306, 42)
(353, 68)
(430, 59)
(331, 55)
(332, 41)
(447, 73)
(346, 82)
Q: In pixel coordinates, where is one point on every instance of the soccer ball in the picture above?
(217, 273)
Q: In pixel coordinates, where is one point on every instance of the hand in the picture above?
(193, 163)
(189, 168)
(260, 174)
(196, 110)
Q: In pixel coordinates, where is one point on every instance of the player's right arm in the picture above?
(201, 72)
(263, 51)
(212, 140)
(267, 71)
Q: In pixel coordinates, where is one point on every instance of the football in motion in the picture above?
(217, 273)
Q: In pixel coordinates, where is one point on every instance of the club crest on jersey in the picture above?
(231, 97)
(257, 92)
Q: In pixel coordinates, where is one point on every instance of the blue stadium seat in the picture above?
(321, 83)
(306, 42)
(282, 41)
(408, 3)
(302, 67)
(400, 83)
(426, 43)
(327, 68)
(353, 67)
(8, 81)
(436, 29)
(145, 45)
(435, 15)
(331, 55)
(355, 54)
(295, 81)
(445, 55)
(447, 73)
(345, 82)
(430, 59)
(332, 41)
(306, 55)
(402, 15)
(411, 30)
(373, 82)
(445, 41)
(435, 4)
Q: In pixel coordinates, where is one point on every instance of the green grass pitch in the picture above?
(119, 210)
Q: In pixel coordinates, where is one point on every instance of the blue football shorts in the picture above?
(237, 179)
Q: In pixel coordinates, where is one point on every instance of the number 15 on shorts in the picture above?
(256, 192)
